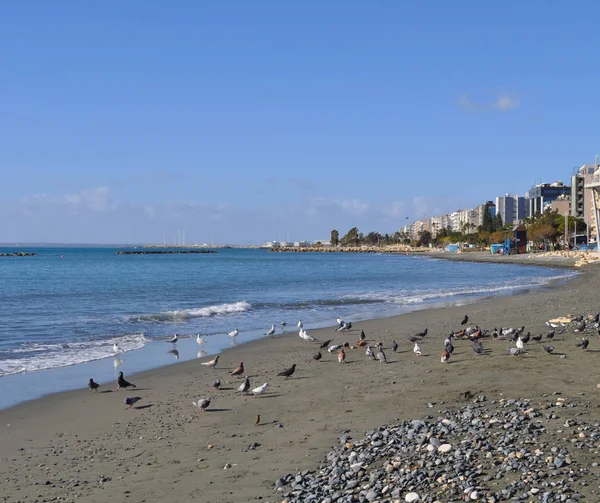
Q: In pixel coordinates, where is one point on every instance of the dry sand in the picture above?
(83, 446)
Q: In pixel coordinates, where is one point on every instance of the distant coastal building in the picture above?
(562, 204)
(540, 196)
(594, 186)
(581, 197)
(512, 209)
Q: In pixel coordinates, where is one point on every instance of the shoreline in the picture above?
(66, 442)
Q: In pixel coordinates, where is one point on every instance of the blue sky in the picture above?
(250, 121)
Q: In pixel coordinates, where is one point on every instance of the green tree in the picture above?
(335, 238)
(352, 237)
(498, 222)
(424, 238)
(488, 224)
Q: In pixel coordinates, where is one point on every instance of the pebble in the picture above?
(410, 497)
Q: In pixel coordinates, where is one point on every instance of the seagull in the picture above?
(283, 324)
(417, 349)
(212, 363)
(238, 371)
(583, 345)
(305, 336)
(340, 322)
(216, 384)
(380, 354)
(287, 373)
(519, 343)
(369, 353)
(317, 357)
(122, 383)
(465, 320)
(548, 349)
(233, 333)
(173, 340)
(325, 344)
(245, 386)
(272, 331)
(116, 348)
(333, 348)
(200, 340)
(93, 385)
(394, 345)
(341, 356)
(202, 404)
(130, 400)
(345, 326)
(260, 390)
(445, 356)
(300, 325)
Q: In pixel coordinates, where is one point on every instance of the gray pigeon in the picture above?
(477, 348)
(381, 355)
(202, 404)
(583, 344)
(514, 351)
(216, 383)
(130, 400)
(548, 349)
(245, 386)
(394, 345)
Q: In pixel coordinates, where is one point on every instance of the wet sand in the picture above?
(87, 446)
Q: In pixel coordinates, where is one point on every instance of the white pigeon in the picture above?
(116, 348)
(200, 340)
(417, 349)
(174, 339)
(369, 353)
(335, 347)
(305, 336)
(272, 331)
(300, 325)
(519, 343)
(233, 333)
(448, 341)
(260, 390)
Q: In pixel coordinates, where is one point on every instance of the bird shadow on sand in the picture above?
(272, 395)
(144, 406)
(296, 378)
(106, 391)
(592, 351)
(218, 410)
(226, 389)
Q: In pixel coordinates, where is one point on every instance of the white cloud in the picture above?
(502, 103)
(505, 103)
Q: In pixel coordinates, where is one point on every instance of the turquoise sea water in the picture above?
(63, 310)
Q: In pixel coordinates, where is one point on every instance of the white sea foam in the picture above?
(49, 356)
(200, 312)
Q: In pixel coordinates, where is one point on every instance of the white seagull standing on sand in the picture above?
(300, 325)
(260, 390)
(305, 336)
(272, 331)
(519, 343)
(233, 333)
(116, 348)
(283, 324)
(417, 349)
(173, 340)
(200, 340)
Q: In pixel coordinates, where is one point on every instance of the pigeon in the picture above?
(449, 348)
(202, 404)
(257, 420)
(363, 336)
(212, 363)
(537, 338)
(550, 335)
(216, 384)
(360, 344)
(245, 386)
(287, 373)
(417, 349)
(334, 348)
(93, 385)
(519, 343)
(173, 340)
(465, 320)
(122, 383)
(514, 351)
(300, 325)
(200, 340)
(583, 345)
(413, 338)
(238, 371)
(394, 345)
(421, 334)
(341, 356)
(130, 400)
(380, 354)
(271, 331)
(233, 333)
(448, 340)
(445, 356)
(317, 357)
(116, 348)
(260, 390)
(325, 344)
(548, 349)
(580, 327)
(478, 348)
(369, 353)
(526, 338)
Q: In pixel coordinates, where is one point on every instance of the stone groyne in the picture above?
(353, 249)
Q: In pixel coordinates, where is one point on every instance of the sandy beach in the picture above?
(85, 446)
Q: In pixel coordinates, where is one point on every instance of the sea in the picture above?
(63, 310)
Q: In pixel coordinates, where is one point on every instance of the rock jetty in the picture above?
(350, 249)
(162, 252)
(18, 254)
(484, 451)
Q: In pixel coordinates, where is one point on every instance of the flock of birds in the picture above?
(375, 351)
